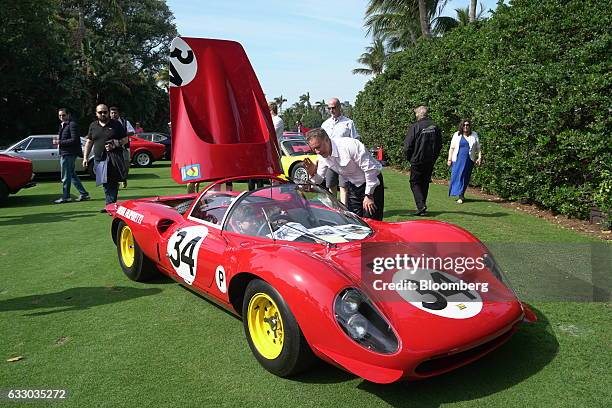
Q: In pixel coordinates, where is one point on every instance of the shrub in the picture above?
(535, 79)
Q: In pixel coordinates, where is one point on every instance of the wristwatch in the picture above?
(370, 196)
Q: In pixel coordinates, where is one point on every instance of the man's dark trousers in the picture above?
(420, 177)
(355, 196)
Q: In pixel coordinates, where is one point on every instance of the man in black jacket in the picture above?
(422, 147)
(69, 142)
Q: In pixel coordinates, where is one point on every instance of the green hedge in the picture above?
(535, 79)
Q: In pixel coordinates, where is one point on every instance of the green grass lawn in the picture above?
(79, 324)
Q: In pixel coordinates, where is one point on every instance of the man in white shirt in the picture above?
(350, 159)
(279, 125)
(338, 126)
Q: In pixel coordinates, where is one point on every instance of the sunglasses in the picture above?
(466, 124)
(331, 107)
(102, 112)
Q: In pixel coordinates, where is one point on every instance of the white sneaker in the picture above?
(459, 201)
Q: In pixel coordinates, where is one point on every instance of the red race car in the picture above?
(15, 174)
(385, 301)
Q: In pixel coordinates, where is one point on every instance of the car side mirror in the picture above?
(18, 149)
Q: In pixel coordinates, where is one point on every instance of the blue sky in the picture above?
(294, 46)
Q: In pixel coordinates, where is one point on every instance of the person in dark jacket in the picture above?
(422, 147)
(69, 143)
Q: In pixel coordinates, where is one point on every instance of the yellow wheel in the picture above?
(134, 263)
(126, 241)
(274, 336)
(265, 326)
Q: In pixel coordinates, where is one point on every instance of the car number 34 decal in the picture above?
(450, 303)
(182, 251)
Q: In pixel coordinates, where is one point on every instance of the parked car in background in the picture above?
(293, 153)
(41, 151)
(143, 152)
(158, 137)
(292, 135)
(15, 174)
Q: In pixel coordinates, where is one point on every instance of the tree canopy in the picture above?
(78, 53)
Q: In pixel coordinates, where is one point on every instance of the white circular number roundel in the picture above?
(220, 279)
(453, 303)
(183, 247)
(183, 63)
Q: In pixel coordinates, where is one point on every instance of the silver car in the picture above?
(41, 151)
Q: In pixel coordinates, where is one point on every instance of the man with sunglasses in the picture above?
(106, 135)
(337, 126)
(69, 143)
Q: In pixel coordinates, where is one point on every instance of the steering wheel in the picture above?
(275, 223)
(261, 230)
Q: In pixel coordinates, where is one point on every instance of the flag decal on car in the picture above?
(190, 172)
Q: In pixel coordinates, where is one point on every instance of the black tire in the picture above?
(143, 159)
(4, 192)
(295, 355)
(299, 175)
(140, 269)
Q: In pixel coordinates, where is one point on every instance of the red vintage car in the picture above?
(15, 174)
(385, 301)
(143, 152)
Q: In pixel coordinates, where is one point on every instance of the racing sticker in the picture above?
(183, 63)
(182, 250)
(130, 214)
(438, 293)
(190, 172)
(220, 279)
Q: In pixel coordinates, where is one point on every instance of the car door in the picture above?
(43, 154)
(195, 249)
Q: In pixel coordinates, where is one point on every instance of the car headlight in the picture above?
(362, 322)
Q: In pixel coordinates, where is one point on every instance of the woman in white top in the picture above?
(463, 153)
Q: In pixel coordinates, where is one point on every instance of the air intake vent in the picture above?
(163, 225)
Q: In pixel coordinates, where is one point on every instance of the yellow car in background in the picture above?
(293, 152)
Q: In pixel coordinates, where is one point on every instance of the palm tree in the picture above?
(305, 99)
(279, 100)
(321, 106)
(424, 19)
(375, 59)
(444, 24)
(400, 21)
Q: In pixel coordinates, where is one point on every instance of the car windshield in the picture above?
(296, 147)
(295, 212)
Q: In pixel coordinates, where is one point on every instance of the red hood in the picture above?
(500, 307)
(221, 124)
(13, 159)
